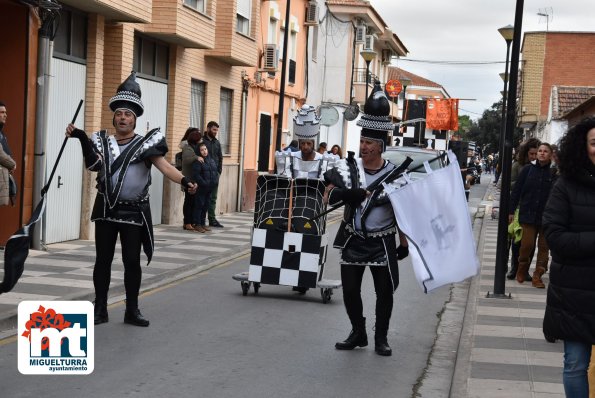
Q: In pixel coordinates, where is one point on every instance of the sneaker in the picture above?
(215, 223)
(200, 228)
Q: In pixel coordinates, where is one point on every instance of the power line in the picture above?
(427, 61)
(475, 113)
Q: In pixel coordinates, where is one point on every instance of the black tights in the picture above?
(106, 234)
(351, 277)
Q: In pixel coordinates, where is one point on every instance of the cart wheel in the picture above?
(245, 287)
(300, 290)
(326, 294)
(256, 287)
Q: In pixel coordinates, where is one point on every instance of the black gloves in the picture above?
(353, 196)
(88, 151)
(402, 252)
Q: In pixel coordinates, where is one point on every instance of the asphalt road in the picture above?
(207, 340)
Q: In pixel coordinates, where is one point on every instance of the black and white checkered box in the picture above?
(286, 258)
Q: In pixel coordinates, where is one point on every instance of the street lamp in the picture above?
(405, 81)
(368, 56)
(508, 33)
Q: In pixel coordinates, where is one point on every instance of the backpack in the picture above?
(178, 161)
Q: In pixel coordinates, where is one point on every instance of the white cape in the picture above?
(432, 213)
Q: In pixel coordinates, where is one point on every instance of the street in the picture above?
(207, 340)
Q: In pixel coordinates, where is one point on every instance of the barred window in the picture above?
(225, 109)
(197, 104)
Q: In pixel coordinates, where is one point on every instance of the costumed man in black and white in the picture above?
(123, 164)
(367, 235)
(305, 163)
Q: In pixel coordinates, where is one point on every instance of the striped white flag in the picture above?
(432, 213)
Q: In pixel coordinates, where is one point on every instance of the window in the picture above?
(197, 104)
(198, 5)
(293, 45)
(291, 74)
(225, 108)
(281, 42)
(151, 58)
(243, 15)
(71, 38)
(272, 33)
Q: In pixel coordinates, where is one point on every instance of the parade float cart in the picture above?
(288, 248)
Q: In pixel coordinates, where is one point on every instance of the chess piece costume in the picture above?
(367, 234)
(306, 126)
(122, 202)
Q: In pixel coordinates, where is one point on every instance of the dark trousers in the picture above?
(213, 203)
(188, 208)
(351, 278)
(202, 201)
(106, 234)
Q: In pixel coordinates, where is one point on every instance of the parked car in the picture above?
(398, 154)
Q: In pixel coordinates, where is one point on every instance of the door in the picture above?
(63, 212)
(154, 97)
(264, 142)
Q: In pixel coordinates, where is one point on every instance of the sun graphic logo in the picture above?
(56, 337)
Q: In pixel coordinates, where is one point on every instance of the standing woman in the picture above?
(569, 225)
(530, 193)
(189, 146)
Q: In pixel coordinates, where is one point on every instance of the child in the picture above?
(206, 175)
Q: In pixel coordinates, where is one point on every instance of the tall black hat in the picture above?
(128, 96)
(375, 121)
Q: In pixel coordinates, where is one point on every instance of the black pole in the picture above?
(502, 245)
(503, 123)
(367, 79)
(404, 105)
(283, 71)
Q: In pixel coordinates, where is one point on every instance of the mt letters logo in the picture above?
(56, 337)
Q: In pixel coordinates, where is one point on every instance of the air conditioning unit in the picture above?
(271, 57)
(386, 56)
(369, 42)
(360, 33)
(311, 14)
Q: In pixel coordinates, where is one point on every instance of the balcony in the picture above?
(232, 47)
(177, 23)
(116, 10)
(359, 84)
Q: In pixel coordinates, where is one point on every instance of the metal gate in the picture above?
(63, 213)
(154, 97)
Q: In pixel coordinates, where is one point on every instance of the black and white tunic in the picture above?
(123, 180)
(367, 235)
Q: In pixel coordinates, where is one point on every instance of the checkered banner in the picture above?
(286, 258)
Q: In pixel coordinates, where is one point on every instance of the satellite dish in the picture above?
(351, 112)
(328, 116)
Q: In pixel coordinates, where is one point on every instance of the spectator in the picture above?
(214, 149)
(7, 163)
(530, 193)
(569, 226)
(189, 146)
(206, 176)
(322, 148)
(336, 150)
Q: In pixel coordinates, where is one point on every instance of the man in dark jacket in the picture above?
(214, 148)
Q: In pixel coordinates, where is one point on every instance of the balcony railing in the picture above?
(359, 76)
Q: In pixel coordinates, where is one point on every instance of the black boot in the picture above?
(100, 311)
(132, 315)
(357, 337)
(381, 344)
(512, 273)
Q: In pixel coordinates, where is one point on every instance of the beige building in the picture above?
(189, 56)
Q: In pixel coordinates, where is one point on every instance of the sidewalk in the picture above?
(502, 351)
(64, 271)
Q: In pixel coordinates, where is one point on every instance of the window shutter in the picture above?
(244, 8)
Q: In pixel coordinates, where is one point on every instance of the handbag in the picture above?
(12, 189)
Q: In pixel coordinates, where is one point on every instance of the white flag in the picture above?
(432, 213)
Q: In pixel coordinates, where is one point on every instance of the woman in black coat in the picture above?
(206, 175)
(569, 226)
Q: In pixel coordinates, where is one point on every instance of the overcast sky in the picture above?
(467, 30)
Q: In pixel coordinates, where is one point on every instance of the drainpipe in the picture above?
(44, 56)
(243, 133)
